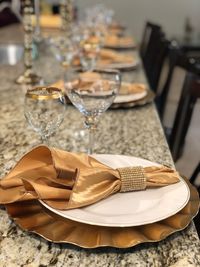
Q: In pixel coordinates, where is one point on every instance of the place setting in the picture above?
(87, 174)
(113, 200)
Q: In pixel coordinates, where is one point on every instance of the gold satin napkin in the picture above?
(68, 180)
(114, 40)
(109, 56)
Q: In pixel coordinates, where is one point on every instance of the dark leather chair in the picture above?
(153, 50)
(175, 58)
(197, 220)
(195, 174)
(193, 181)
(149, 30)
(161, 49)
(189, 95)
(7, 16)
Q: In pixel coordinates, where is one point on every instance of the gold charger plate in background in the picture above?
(33, 217)
(140, 102)
(148, 98)
(121, 47)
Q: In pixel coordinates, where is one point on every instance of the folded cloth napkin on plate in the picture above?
(68, 180)
(108, 56)
(114, 40)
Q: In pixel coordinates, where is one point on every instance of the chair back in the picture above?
(175, 58)
(189, 95)
(150, 29)
(193, 181)
(161, 49)
(154, 49)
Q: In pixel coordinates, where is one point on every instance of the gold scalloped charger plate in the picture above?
(121, 47)
(130, 96)
(121, 65)
(138, 99)
(32, 216)
(148, 98)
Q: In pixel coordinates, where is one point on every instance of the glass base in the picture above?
(29, 77)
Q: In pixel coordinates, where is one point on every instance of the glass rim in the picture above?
(98, 69)
(53, 93)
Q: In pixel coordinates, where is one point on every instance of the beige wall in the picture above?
(169, 13)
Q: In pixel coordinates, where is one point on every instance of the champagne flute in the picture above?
(92, 93)
(44, 109)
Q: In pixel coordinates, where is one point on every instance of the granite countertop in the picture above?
(135, 131)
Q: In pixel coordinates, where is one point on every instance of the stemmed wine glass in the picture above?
(92, 93)
(64, 50)
(44, 109)
(91, 42)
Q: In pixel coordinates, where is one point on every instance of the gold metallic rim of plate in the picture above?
(148, 98)
(117, 46)
(33, 217)
(54, 93)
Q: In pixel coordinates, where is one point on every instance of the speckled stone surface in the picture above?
(136, 132)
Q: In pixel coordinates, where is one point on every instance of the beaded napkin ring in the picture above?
(132, 179)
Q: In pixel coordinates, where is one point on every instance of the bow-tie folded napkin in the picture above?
(68, 180)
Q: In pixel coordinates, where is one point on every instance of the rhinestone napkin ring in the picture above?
(132, 179)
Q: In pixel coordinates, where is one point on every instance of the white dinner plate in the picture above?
(121, 66)
(132, 208)
(130, 97)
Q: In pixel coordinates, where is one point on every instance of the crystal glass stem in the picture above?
(91, 140)
(91, 125)
(44, 140)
